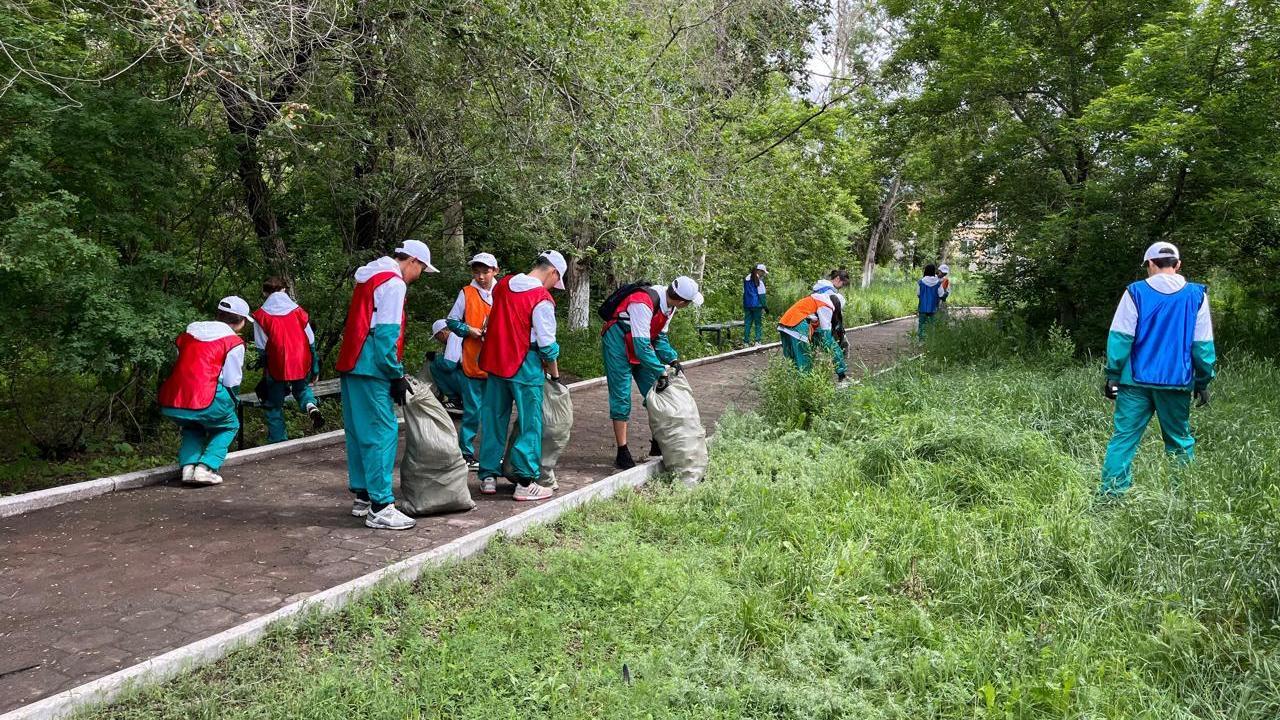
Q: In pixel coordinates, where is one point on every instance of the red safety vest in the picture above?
(506, 342)
(360, 320)
(657, 322)
(288, 350)
(194, 380)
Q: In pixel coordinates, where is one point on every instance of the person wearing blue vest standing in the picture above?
(1159, 355)
(754, 303)
(930, 291)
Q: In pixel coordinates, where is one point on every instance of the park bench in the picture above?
(719, 329)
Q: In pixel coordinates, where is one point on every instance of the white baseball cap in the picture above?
(557, 261)
(944, 269)
(419, 251)
(762, 268)
(439, 325)
(1161, 250)
(486, 259)
(235, 305)
(686, 288)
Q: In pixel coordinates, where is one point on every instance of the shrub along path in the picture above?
(91, 587)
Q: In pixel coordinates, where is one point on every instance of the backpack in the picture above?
(609, 307)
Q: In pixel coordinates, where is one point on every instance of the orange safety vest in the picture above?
(802, 310)
(475, 313)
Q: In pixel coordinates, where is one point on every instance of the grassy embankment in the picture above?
(924, 546)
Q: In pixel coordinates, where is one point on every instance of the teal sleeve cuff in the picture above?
(646, 355)
(549, 353)
(386, 356)
(457, 327)
(666, 353)
(1119, 347)
(1204, 359)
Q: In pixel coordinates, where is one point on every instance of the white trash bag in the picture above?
(433, 475)
(557, 424)
(674, 422)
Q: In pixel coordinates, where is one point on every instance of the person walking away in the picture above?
(467, 319)
(519, 354)
(371, 367)
(944, 279)
(445, 371)
(754, 303)
(810, 318)
(929, 292)
(282, 331)
(1160, 354)
(201, 393)
(636, 346)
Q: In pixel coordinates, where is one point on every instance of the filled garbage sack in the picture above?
(433, 475)
(674, 422)
(557, 424)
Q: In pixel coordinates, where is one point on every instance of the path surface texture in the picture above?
(90, 587)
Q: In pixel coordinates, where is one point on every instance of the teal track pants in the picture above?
(752, 318)
(526, 452)
(206, 434)
(798, 352)
(1134, 408)
(448, 378)
(273, 404)
(619, 373)
(923, 321)
(369, 417)
(472, 390)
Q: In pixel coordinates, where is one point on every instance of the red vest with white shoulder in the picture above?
(194, 380)
(657, 322)
(360, 321)
(288, 350)
(506, 341)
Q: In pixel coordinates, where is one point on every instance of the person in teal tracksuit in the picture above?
(371, 363)
(636, 346)
(755, 302)
(201, 393)
(810, 319)
(1160, 354)
(519, 355)
(444, 364)
(287, 352)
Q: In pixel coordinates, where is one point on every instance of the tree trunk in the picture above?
(452, 233)
(578, 282)
(883, 227)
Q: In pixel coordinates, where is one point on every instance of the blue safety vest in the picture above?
(1165, 330)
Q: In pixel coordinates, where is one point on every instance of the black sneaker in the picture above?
(624, 461)
(317, 418)
(654, 450)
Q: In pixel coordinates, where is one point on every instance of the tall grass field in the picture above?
(929, 547)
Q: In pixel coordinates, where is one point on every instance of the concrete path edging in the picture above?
(49, 497)
(202, 652)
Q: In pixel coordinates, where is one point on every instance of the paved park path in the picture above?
(90, 587)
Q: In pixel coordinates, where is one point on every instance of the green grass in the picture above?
(928, 548)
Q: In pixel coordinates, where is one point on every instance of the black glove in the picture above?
(261, 389)
(1110, 389)
(556, 380)
(259, 360)
(431, 355)
(662, 384)
(840, 377)
(400, 390)
(675, 365)
(1202, 396)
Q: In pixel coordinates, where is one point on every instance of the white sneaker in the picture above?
(359, 508)
(188, 471)
(533, 492)
(489, 486)
(204, 476)
(389, 518)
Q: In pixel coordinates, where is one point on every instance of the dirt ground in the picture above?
(91, 587)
